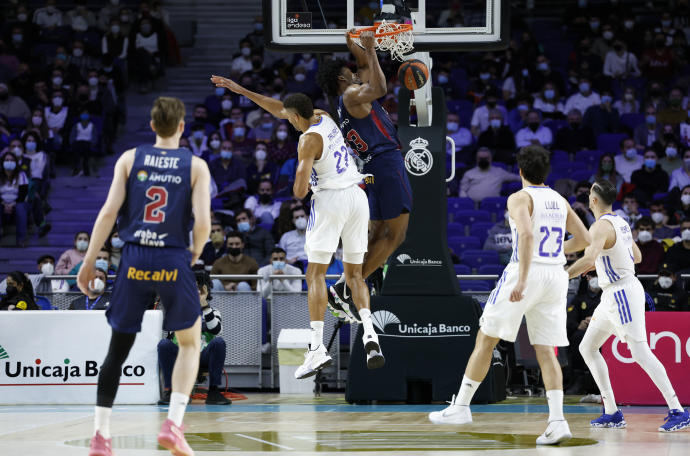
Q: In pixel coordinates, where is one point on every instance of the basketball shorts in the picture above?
(543, 305)
(621, 310)
(337, 214)
(388, 188)
(145, 272)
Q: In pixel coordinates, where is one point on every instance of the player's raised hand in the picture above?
(227, 83)
(367, 39)
(517, 293)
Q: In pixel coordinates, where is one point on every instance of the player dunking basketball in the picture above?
(154, 193)
(372, 136)
(534, 285)
(338, 210)
(621, 311)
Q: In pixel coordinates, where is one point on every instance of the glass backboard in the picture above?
(439, 25)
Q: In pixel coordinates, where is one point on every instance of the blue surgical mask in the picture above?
(226, 154)
(484, 76)
(452, 126)
(650, 119)
(102, 264)
(85, 117)
(267, 125)
(442, 79)
(279, 265)
(584, 87)
(199, 134)
(650, 162)
(670, 151)
(117, 243)
(9, 165)
(631, 153)
(542, 66)
(31, 146)
(220, 91)
(606, 99)
(549, 94)
(525, 72)
(258, 26)
(82, 245)
(238, 131)
(495, 123)
(522, 107)
(243, 227)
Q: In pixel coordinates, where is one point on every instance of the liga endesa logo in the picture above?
(38, 369)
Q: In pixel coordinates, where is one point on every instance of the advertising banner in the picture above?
(668, 334)
(53, 357)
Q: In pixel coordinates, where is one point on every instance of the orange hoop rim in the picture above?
(400, 28)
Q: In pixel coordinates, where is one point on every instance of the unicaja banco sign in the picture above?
(388, 324)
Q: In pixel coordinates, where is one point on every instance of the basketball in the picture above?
(413, 74)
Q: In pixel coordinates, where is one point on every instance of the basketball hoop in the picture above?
(389, 37)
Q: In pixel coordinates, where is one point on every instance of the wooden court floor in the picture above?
(272, 424)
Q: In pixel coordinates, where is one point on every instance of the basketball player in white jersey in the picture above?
(621, 311)
(339, 209)
(533, 285)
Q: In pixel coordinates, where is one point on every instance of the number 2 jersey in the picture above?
(616, 263)
(157, 211)
(335, 169)
(549, 215)
(371, 135)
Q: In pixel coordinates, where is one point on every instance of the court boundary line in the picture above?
(265, 441)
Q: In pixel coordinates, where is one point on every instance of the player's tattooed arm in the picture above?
(308, 150)
(580, 236)
(275, 107)
(360, 55)
(599, 232)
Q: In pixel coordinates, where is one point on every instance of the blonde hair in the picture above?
(166, 114)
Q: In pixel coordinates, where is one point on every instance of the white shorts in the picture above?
(621, 311)
(543, 305)
(336, 214)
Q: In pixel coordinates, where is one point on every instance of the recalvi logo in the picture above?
(390, 325)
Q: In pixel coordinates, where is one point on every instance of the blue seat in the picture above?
(471, 217)
(460, 204)
(474, 285)
(589, 158)
(581, 175)
(44, 303)
(455, 229)
(477, 258)
(558, 157)
(508, 188)
(16, 123)
(632, 120)
(461, 244)
(481, 230)
(462, 269)
(660, 196)
(464, 110)
(491, 269)
(494, 204)
(554, 125)
(267, 226)
(610, 142)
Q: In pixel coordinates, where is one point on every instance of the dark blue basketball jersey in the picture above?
(370, 136)
(158, 209)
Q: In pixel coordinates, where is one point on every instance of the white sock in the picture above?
(642, 354)
(555, 400)
(316, 334)
(102, 421)
(365, 315)
(467, 390)
(609, 401)
(178, 404)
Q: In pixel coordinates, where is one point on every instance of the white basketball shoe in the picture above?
(555, 433)
(314, 361)
(453, 414)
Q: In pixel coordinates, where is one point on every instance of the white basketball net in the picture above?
(398, 44)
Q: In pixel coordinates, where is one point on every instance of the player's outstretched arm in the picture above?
(105, 220)
(201, 206)
(360, 54)
(275, 107)
(581, 237)
(599, 232)
(376, 87)
(308, 150)
(519, 209)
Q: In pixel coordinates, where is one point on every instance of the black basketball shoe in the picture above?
(343, 296)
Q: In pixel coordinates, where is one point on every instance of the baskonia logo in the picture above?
(142, 175)
(64, 371)
(384, 318)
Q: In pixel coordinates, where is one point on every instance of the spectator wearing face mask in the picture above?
(147, 54)
(630, 210)
(548, 102)
(299, 82)
(575, 136)
(263, 206)
(500, 239)
(534, 133)
(484, 180)
(602, 118)
(545, 74)
(517, 117)
(499, 138)
(678, 256)
(243, 62)
(241, 144)
(584, 98)
(278, 266)
(650, 132)
(55, 117)
(619, 63)
(667, 293)
(84, 142)
(19, 294)
(261, 169)
(659, 216)
(580, 312)
(14, 188)
(97, 299)
(607, 170)
(293, 241)
(672, 159)
(215, 248)
(649, 179)
(198, 142)
(680, 178)
(214, 103)
(652, 251)
(72, 257)
(49, 16)
(229, 174)
(214, 143)
(234, 262)
(41, 285)
(628, 104)
(39, 162)
(480, 116)
(107, 14)
(258, 241)
(115, 245)
(11, 105)
(681, 209)
(201, 118)
(263, 129)
(461, 135)
(628, 160)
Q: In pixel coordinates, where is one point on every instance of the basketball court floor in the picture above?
(273, 424)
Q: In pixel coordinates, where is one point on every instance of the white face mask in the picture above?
(78, 52)
(82, 245)
(57, 102)
(657, 217)
(246, 51)
(685, 235)
(260, 155)
(97, 285)
(281, 135)
(226, 105)
(665, 282)
(299, 77)
(37, 120)
(215, 144)
(47, 268)
(594, 284)
(301, 223)
(93, 81)
(685, 199)
(644, 236)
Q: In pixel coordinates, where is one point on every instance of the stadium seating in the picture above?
(495, 205)
(481, 230)
(590, 158)
(471, 216)
(610, 142)
(460, 244)
(477, 258)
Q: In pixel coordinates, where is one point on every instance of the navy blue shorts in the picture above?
(389, 189)
(145, 272)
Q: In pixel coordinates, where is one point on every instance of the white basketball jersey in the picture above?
(549, 214)
(617, 262)
(336, 168)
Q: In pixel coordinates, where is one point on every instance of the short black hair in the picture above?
(278, 250)
(327, 77)
(234, 234)
(605, 190)
(644, 221)
(203, 278)
(535, 163)
(42, 258)
(245, 211)
(300, 103)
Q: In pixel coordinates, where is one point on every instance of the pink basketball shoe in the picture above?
(172, 438)
(100, 446)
